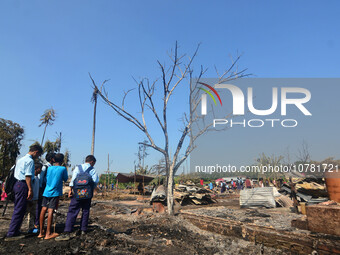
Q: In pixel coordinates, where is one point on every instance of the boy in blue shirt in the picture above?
(55, 176)
(42, 183)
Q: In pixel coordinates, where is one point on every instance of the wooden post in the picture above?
(108, 170)
(134, 189)
(143, 188)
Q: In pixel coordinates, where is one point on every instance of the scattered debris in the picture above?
(284, 201)
(313, 189)
(192, 194)
(256, 213)
(158, 195)
(330, 202)
(308, 190)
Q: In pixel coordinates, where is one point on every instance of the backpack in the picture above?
(83, 184)
(9, 184)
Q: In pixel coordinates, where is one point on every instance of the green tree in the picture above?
(55, 147)
(11, 135)
(107, 179)
(58, 141)
(49, 147)
(47, 119)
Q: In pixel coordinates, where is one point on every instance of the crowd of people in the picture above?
(37, 190)
(239, 184)
(233, 184)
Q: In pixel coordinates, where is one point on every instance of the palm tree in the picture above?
(47, 119)
(94, 100)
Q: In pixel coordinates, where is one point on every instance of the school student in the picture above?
(55, 176)
(32, 205)
(42, 183)
(78, 202)
(23, 172)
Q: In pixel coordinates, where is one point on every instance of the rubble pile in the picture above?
(284, 201)
(311, 191)
(192, 194)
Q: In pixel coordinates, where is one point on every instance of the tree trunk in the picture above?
(170, 195)
(42, 140)
(4, 155)
(94, 125)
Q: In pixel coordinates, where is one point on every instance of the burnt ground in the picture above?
(115, 230)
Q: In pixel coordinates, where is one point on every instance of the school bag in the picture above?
(9, 184)
(83, 184)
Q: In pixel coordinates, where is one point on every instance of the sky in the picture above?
(47, 49)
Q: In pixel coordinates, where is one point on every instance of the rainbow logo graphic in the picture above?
(209, 93)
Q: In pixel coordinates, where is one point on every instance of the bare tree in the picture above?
(149, 95)
(303, 153)
(287, 157)
(272, 161)
(142, 154)
(159, 168)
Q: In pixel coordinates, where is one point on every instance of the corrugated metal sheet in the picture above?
(257, 197)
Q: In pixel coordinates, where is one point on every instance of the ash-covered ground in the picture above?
(114, 229)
